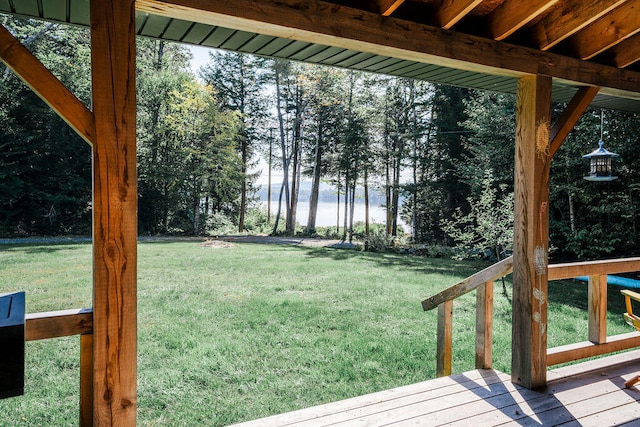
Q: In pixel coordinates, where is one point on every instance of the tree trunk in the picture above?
(366, 202)
(315, 184)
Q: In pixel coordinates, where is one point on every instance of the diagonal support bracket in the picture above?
(569, 117)
(46, 85)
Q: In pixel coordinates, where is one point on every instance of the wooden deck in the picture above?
(587, 394)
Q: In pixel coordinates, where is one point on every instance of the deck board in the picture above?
(586, 394)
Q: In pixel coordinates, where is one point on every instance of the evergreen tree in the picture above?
(239, 82)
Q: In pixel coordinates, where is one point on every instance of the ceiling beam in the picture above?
(625, 53)
(607, 31)
(512, 15)
(571, 17)
(46, 85)
(452, 11)
(387, 7)
(333, 25)
(570, 116)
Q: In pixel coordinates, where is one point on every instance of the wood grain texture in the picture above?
(593, 268)
(452, 11)
(484, 326)
(582, 350)
(333, 25)
(46, 85)
(444, 353)
(86, 380)
(387, 7)
(114, 212)
(609, 30)
(626, 52)
(570, 116)
(54, 324)
(566, 20)
(531, 232)
(597, 303)
(511, 15)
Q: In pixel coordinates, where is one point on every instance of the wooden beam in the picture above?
(484, 326)
(531, 232)
(607, 31)
(54, 324)
(489, 274)
(626, 52)
(387, 7)
(114, 212)
(46, 85)
(334, 25)
(444, 337)
(452, 11)
(512, 15)
(571, 352)
(593, 268)
(597, 303)
(86, 380)
(566, 20)
(570, 116)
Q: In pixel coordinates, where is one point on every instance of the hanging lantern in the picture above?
(600, 164)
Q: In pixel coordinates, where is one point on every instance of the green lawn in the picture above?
(233, 334)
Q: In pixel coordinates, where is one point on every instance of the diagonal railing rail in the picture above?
(482, 281)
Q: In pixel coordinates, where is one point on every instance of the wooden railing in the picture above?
(55, 324)
(598, 342)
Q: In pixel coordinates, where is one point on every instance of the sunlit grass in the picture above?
(232, 334)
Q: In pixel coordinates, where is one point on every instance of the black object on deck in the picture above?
(12, 344)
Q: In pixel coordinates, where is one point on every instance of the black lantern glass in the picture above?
(600, 164)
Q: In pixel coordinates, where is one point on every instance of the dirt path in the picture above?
(296, 241)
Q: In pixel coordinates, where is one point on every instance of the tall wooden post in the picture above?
(531, 232)
(114, 212)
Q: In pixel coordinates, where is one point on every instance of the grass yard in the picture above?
(242, 332)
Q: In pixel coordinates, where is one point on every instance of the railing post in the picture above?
(598, 309)
(86, 380)
(484, 326)
(445, 335)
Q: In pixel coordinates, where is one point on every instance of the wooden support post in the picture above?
(484, 326)
(598, 309)
(86, 380)
(114, 212)
(445, 339)
(531, 232)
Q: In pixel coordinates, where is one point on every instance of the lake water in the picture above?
(326, 215)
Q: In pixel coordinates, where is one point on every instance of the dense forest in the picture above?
(442, 156)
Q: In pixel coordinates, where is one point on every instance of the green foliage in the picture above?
(45, 168)
(488, 228)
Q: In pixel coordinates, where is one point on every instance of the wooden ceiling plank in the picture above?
(512, 15)
(570, 116)
(571, 17)
(387, 7)
(334, 25)
(46, 86)
(452, 11)
(625, 53)
(619, 24)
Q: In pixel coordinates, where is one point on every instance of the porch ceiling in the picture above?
(481, 44)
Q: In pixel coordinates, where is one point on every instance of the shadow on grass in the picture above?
(43, 248)
(441, 266)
